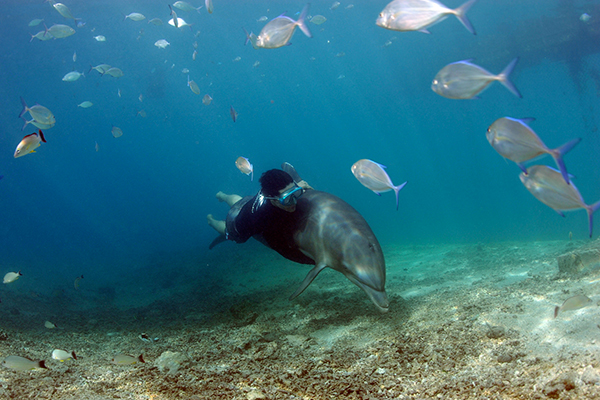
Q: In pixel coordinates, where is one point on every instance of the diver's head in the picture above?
(279, 187)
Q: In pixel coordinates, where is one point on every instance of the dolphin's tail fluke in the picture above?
(218, 239)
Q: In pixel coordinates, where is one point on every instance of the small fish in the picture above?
(141, 98)
(573, 303)
(206, 100)
(64, 11)
(243, 164)
(418, 15)
(59, 31)
(72, 76)
(38, 125)
(74, 56)
(179, 24)
(85, 104)
(463, 80)
(63, 356)
(548, 186)
(41, 35)
(195, 44)
(97, 148)
(100, 38)
(116, 132)
(233, 113)
(193, 86)
(174, 17)
(262, 19)
(279, 31)
(156, 21)
(335, 5)
(81, 24)
(11, 277)
(256, 64)
(79, 278)
(515, 140)
(101, 68)
(238, 58)
(583, 18)
(119, 92)
(35, 22)
(135, 16)
(49, 325)
(318, 19)
(185, 71)
(141, 113)
(183, 6)
(161, 44)
(39, 113)
(194, 55)
(114, 72)
(349, 6)
(123, 359)
(209, 6)
(373, 176)
(22, 364)
(28, 145)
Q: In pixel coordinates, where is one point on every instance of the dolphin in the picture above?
(335, 235)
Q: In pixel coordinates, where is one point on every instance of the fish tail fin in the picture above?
(41, 364)
(46, 29)
(252, 175)
(556, 309)
(24, 110)
(74, 355)
(558, 154)
(591, 210)
(32, 37)
(503, 78)
(461, 14)
(24, 125)
(302, 20)
(397, 189)
(124, 17)
(43, 140)
(141, 358)
(199, 8)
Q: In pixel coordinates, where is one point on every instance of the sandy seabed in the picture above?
(465, 322)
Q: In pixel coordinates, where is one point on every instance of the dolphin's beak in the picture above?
(378, 297)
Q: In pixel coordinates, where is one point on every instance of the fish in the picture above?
(96, 146)
(174, 17)
(64, 11)
(243, 164)
(63, 356)
(463, 80)
(22, 364)
(156, 21)
(209, 6)
(81, 24)
(185, 71)
(193, 86)
(183, 6)
(59, 31)
(161, 44)
(233, 113)
(100, 38)
(548, 186)
(85, 104)
(194, 55)
(101, 68)
(41, 35)
(141, 113)
(206, 100)
(262, 19)
(28, 145)
(418, 15)
(279, 31)
(119, 92)
(116, 132)
(49, 325)
(39, 113)
(318, 19)
(515, 140)
(373, 176)
(11, 277)
(180, 23)
(134, 16)
(335, 5)
(36, 22)
(38, 125)
(79, 278)
(75, 56)
(72, 76)
(141, 98)
(114, 72)
(573, 303)
(123, 359)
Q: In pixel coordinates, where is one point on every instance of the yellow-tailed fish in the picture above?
(123, 359)
(134, 16)
(116, 132)
(18, 363)
(573, 303)
(59, 31)
(245, 167)
(193, 86)
(206, 100)
(514, 139)
(79, 278)
(29, 143)
(548, 186)
(463, 80)
(63, 356)
(39, 113)
(373, 176)
(11, 277)
(418, 15)
(279, 31)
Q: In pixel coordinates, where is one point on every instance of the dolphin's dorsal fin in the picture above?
(309, 278)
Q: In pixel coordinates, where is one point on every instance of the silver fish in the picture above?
(193, 86)
(373, 176)
(155, 21)
(101, 68)
(279, 31)
(548, 186)
(22, 364)
(418, 15)
(64, 11)
(209, 6)
(114, 72)
(39, 113)
(463, 80)
(41, 35)
(515, 140)
(116, 131)
(183, 6)
(38, 125)
(134, 16)
(72, 76)
(36, 22)
(245, 167)
(174, 15)
(573, 303)
(59, 31)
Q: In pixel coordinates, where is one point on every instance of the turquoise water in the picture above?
(321, 104)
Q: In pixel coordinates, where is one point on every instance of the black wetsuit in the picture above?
(255, 216)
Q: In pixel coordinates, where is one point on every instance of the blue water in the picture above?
(68, 210)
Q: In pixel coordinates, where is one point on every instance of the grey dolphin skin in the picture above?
(335, 235)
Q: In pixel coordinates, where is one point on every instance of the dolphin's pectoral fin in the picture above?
(309, 278)
(218, 239)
